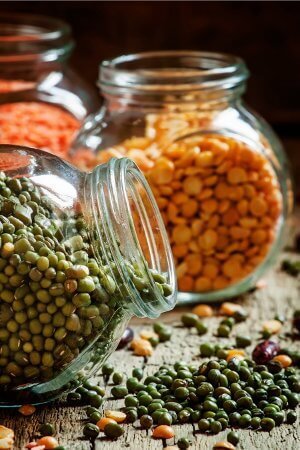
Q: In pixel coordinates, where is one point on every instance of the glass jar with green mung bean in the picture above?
(80, 253)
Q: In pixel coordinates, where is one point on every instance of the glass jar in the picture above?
(42, 101)
(80, 254)
(217, 170)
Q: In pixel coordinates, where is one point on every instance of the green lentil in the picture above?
(267, 424)
(242, 341)
(130, 400)
(189, 319)
(244, 421)
(146, 421)
(181, 393)
(165, 419)
(233, 437)
(183, 443)
(95, 416)
(215, 427)
(131, 416)
(113, 430)
(46, 429)
(184, 416)
(255, 422)
(207, 349)
(107, 369)
(153, 406)
(223, 331)
(91, 431)
(201, 327)
(291, 417)
(74, 398)
(203, 425)
(120, 391)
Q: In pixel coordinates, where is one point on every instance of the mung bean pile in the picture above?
(228, 390)
(216, 394)
(55, 298)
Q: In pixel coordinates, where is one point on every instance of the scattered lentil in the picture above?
(113, 430)
(6, 437)
(46, 429)
(163, 432)
(117, 416)
(242, 341)
(233, 437)
(223, 445)
(183, 443)
(91, 431)
(103, 422)
(203, 310)
(272, 326)
(146, 421)
(48, 441)
(27, 410)
(284, 360)
(291, 417)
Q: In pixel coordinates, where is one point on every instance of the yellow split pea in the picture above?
(219, 199)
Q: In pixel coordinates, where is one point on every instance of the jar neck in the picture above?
(176, 104)
(32, 46)
(128, 235)
(172, 81)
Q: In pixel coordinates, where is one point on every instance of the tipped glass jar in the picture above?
(42, 100)
(80, 254)
(217, 170)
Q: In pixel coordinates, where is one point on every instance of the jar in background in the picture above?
(79, 255)
(42, 101)
(217, 170)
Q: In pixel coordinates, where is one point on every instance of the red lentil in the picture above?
(38, 125)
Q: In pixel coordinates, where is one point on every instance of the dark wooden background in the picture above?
(265, 34)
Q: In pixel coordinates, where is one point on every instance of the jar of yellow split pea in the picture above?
(217, 170)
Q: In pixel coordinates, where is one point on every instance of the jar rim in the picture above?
(30, 37)
(163, 71)
(120, 193)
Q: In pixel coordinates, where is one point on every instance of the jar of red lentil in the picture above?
(42, 101)
(217, 170)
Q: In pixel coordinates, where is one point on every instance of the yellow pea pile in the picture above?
(220, 202)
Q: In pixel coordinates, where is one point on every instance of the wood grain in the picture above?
(280, 296)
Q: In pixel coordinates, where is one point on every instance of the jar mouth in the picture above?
(173, 71)
(27, 38)
(134, 231)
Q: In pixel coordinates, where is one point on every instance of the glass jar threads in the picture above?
(42, 101)
(80, 254)
(218, 172)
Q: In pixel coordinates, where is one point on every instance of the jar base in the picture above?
(28, 395)
(188, 298)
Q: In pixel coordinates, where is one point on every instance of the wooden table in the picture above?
(280, 296)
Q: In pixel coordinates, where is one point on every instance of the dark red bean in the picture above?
(127, 337)
(265, 351)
